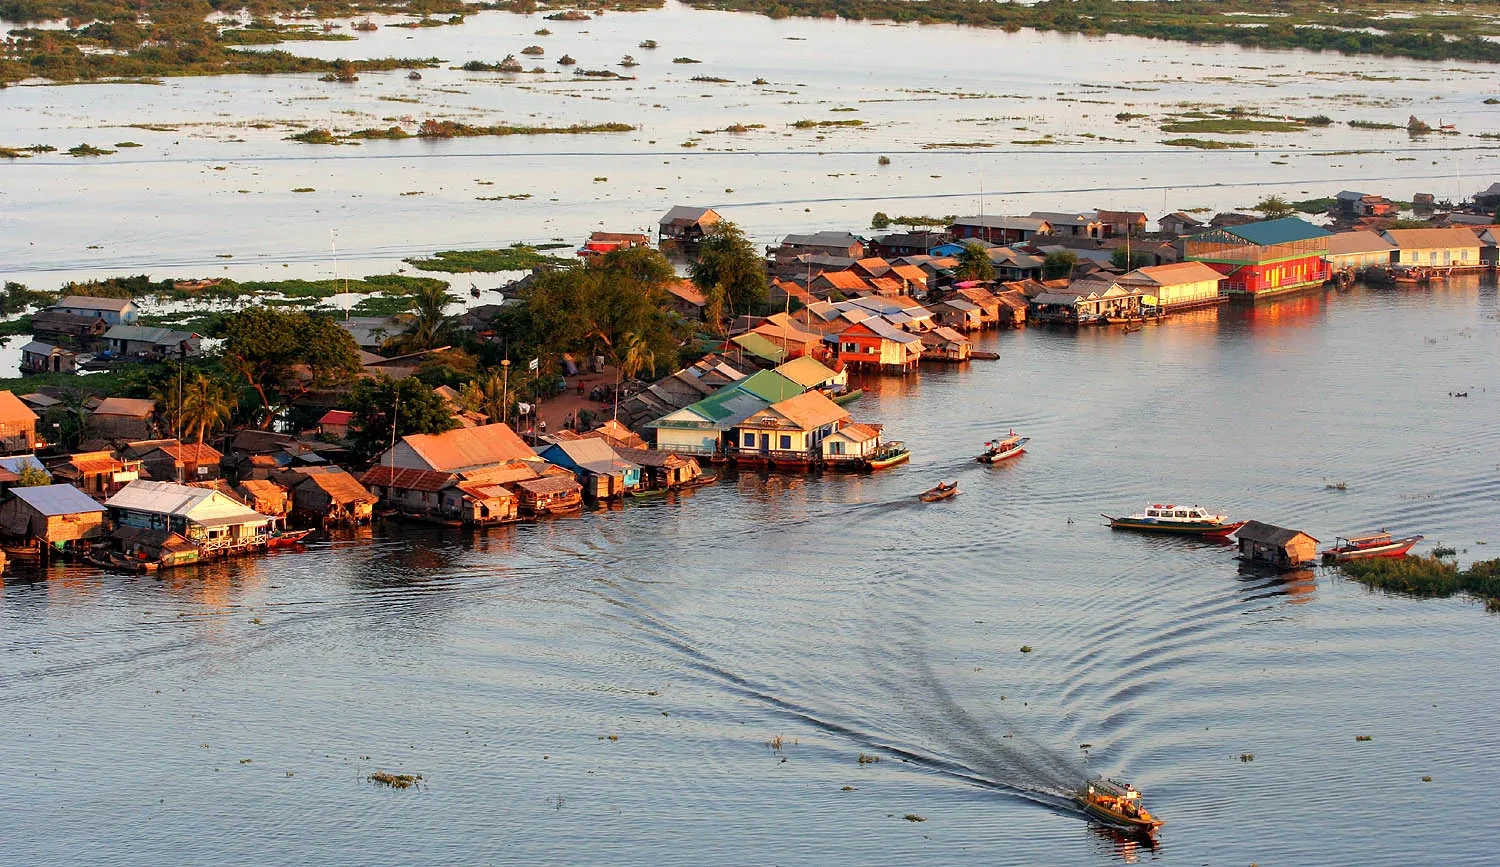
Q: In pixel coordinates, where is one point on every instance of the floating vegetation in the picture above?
(543, 32)
(317, 135)
(913, 817)
(1363, 738)
(1427, 779)
(430, 22)
(87, 150)
(569, 15)
(1429, 577)
(13, 154)
(566, 60)
(761, 81)
(395, 781)
(1336, 486)
(867, 759)
(822, 124)
(509, 64)
(848, 789)
(1444, 551)
(957, 144)
(1129, 115)
(775, 743)
(883, 161)
(127, 144)
(1232, 125)
(1492, 101)
(1205, 144)
(647, 43)
(712, 79)
(518, 257)
(1371, 124)
(534, 50)
(685, 60)
(1025, 648)
(513, 197)
(1318, 120)
(1247, 757)
(1416, 126)
(304, 190)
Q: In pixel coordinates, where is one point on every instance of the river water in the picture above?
(607, 689)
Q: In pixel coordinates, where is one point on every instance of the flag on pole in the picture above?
(535, 363)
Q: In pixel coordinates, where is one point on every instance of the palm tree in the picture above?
(488, 395)
(638, 356)
(427, 323)
(207, 404)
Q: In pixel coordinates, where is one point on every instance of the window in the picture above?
(786, 442)
(836, 447)
(749, 439)
(1181, 513)
(1151, 513)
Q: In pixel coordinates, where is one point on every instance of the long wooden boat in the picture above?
(889, 455)
(998, 450)
(1180, 520)
(943, 491)
(848, 396)
(1116, 804)
(287, 538)
(1367, 546)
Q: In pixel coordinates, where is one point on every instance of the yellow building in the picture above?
(1436, 248)
(1179, 285)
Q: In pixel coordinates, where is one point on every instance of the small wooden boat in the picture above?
(943, 491)
(848, 396)
(998, 450)
(1167, 518)
(889, 455)
(1116, 804)
(287, 538)
(1369, 545)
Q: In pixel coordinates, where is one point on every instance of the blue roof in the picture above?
(1282, 231)
(53, 500)
(16, 463)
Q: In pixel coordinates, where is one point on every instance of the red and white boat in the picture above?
(1369, 545)
(1003, 449)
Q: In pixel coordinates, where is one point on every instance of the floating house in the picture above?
(687, 224)
(824, 243)
(1178, 286)
(114, 311)
(899, 244)
(39, 357)
(1276, 547)
(213, 521)
(662, 471)
(1264, 258)
(603, 474)
(600, 243)
(328, 496)
(699, 429)
(789, 433)
(171, 461)
(999, 229)
(851, 445)
(52, 516)
(1079, 225)
(945, 344)
(1435, 248)
(265, 497)
(143, 341)
(874, 342)
(1177, 224)
(17, 425)
(123, 418)
(1356, 251)
(68, 329)
(549, 495)
(808, 373)
(460, 450)
(98, 474)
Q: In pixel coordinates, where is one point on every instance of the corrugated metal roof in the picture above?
(755, 344)
(126, 406)
(769, 385)
(1423, 239)
(1282, 231)
(12, 409)
(805, 371)
(810, 410)
(1349, 243)
(54, 500)
(1268, 534)
(465, 448)
(202, 505)
(550, 485)
(88, 302)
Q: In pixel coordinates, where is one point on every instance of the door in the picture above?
(765, 443)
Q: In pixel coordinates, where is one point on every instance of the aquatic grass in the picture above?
(1232, 126)
(822, 124)
(395, 781)
(87, 150)
(913, 817)
(1371, 124)
(1205, 144)
(518, 257)
(867, 759)
(1429, 577)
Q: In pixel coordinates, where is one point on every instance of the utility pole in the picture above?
(505, 367)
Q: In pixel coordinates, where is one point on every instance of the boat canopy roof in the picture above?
(1367, 537)
(1115, 788)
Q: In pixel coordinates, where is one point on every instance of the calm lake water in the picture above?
(603, 690)
(216, 177)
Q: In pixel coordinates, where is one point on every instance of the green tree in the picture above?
(974, 263)
(283, 355)
(880, 221)
(207, 405)
(1059, 265)
(1135, 259)
(411, 405)
(1274, 208)
(636, 356)
(1497, 215)
(32, 476)
(731, 274)
(488, 396)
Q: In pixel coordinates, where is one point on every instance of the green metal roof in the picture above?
(757, 345)
(1285, 230)
(768, 385)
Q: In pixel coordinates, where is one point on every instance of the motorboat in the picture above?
(1380, 544)
(1003, 449)
(1116, 804)
(1181, 520)
(943, 491)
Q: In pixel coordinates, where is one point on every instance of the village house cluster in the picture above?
(771, 394)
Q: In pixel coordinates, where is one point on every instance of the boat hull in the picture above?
(1211, 530)
(1395, 548)
(1000, 457)
(891, 461)
(1117, 820)
(935, 495)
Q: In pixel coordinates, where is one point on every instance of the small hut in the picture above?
(59, 516)
(263, 496)
(550, 495)
(1274, 546)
